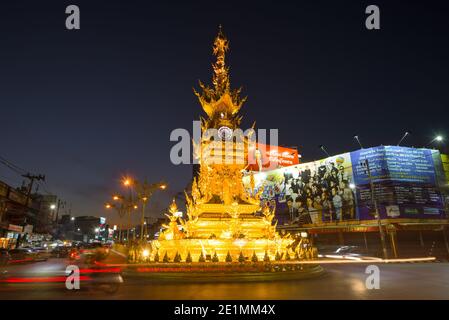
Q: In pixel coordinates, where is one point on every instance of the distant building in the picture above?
(21, 215)
(89, 228)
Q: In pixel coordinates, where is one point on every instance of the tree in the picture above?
(156, 257)
(177, 257)
(215, 257)
(166, 259)
(287, 256)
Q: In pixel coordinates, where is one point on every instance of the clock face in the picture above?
(225, 133)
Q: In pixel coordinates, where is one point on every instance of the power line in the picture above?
(12, 166)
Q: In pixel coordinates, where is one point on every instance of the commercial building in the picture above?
(22, 215)
(89, 228)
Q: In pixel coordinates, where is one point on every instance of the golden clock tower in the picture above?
(223, 219)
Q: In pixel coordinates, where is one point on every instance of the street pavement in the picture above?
(341, 281)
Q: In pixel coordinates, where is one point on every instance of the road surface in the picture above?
(397, 281)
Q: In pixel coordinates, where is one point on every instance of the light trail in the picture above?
(340, 260)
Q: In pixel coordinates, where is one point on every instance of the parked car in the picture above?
(22, 255)
(4, 257)
(60, 252)
(42, 253)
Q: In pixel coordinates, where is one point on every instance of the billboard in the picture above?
(406, 185)
(310, 192)
(262, 157)
(402, 177)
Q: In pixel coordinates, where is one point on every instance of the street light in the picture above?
(324, 150)
(127, 182)
(122, 208)
(53, 207)
(356, 137)
(438, 138)
(403, 137)
(144, 191)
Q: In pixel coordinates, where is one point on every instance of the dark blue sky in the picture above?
(85, 107)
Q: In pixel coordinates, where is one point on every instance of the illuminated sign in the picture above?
(262, 157)
(13, 227)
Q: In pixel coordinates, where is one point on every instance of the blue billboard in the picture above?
(404, 179)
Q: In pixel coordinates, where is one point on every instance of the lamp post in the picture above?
(406, 133)
(376, 209)
(121, 212)
(324, 150)
(144, 192)
(124, 205)
(438, 138)
(356, 137)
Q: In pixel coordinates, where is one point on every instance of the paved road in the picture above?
(397, 281)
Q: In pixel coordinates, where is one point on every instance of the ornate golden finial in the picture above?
(221, 76)
(220, 102)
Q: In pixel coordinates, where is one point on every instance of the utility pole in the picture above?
(376, 209)
(32, 178)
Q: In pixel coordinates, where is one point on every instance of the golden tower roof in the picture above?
(220, 102)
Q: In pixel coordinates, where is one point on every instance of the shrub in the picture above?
(254, 257)
(241, 257)
(266, 258)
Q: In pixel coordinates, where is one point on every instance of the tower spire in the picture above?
(220, 102)
(220, 78)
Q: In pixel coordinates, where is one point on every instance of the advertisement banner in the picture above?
(310, 192)
(263, 157)
(403, 177)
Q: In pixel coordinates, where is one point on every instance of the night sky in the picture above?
(86, 107)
